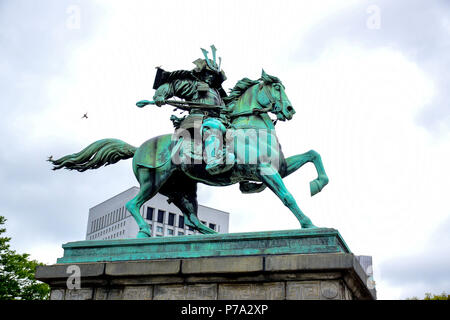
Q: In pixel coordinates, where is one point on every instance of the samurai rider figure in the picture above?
(202, 91)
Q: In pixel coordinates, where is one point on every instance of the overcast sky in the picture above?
(368, 79)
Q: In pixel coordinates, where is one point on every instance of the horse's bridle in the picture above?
(272, 101)
(255, 112)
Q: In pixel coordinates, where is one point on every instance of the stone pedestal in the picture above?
(293, 265)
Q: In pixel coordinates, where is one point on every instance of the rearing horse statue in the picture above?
(248, 104)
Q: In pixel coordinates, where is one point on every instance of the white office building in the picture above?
(111, 220)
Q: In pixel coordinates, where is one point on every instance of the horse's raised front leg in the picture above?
(272, 179)
(297, 161)
(293, 164)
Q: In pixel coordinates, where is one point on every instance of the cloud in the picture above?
(420, 30)
(424, 271)
(36, 46)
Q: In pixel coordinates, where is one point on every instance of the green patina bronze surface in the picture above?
(317, 240)
(217, 122)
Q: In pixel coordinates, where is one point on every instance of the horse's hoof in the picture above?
(315, 186)
(307, 224)
(207, 231)
(143, 234)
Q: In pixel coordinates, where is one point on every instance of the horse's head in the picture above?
(271, 93)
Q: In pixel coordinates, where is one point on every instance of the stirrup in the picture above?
(213, 167)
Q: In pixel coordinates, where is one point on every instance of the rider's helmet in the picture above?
(208, 70)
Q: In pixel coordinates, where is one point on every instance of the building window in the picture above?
(170, 232)
(159, 229)
(180, 221)
(160, 216)
(180, 233)
(171, 219)
(149, 213)
(212, 226)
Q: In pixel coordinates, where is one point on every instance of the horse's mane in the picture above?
(239, 89)
(242, 85)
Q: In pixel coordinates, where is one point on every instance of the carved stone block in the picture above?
(303, 290)
(222, 265)
(331, 290)
(252, 291)
(57, 294)
(143, 268)
(137, 293)
(101, 294)
(115, 294)
(314, 290)
(79, 294)
(185, 292)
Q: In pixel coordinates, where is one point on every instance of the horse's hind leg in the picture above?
(150, 181)
(188, 205)
(272, 179)
(186, 200)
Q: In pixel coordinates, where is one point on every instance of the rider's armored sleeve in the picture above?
(184, 89)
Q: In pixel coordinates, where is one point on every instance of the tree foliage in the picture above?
(17, 280)
(443, 296)
(429, 296)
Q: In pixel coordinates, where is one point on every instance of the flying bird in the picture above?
(84, 116)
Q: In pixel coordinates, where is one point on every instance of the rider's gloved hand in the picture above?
(159, 101)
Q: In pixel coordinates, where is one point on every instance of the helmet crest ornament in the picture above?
(212, 64)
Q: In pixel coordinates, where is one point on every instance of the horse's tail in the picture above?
(97, 154)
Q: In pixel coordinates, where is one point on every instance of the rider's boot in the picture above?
(214, 156)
